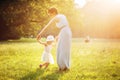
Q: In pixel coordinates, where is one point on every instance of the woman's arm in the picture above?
(43, 43)
(56, 38)
(49, 24)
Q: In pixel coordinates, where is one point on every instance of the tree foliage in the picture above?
(25, 18)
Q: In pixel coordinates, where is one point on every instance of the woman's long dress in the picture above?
(64, 42)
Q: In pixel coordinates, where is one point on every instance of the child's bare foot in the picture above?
(40, 65)
(46, 65)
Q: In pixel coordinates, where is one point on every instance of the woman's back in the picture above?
(62, 21)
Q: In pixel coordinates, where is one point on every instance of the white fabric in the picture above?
(63, 48)
(46, 56)
(64, 42)
(62, 21)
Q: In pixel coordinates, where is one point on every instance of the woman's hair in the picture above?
(52, 10)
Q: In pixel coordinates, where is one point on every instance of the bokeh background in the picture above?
(93, 18)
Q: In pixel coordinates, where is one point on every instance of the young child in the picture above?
(47, 58)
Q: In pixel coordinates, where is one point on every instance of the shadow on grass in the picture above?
(33, 75)
(54, 75)
(39, 74)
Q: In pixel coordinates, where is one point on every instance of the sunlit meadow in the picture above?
(97, 60)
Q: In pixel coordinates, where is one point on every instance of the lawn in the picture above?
(97, 60)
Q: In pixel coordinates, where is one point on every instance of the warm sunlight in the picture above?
(60, 40)
(103, 16)
(80, 3)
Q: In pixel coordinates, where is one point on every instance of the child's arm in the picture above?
(43, 43)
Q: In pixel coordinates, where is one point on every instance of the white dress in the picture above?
(64, 42)
(46, 56)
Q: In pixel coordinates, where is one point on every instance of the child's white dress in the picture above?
(46, 56)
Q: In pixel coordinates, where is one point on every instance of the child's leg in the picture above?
(41, 65)
(47, 64)
(44, 64)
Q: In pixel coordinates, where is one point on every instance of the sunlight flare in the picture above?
(80, 3)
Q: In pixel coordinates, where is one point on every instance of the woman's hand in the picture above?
(38, 36)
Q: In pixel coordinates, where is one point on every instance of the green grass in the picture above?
(97, 60)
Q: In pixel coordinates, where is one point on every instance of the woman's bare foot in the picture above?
(65, 69)
(60, 69)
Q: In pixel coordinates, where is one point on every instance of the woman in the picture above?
(64, 38)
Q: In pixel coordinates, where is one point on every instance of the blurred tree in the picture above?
(12, 15)
(25, 18)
